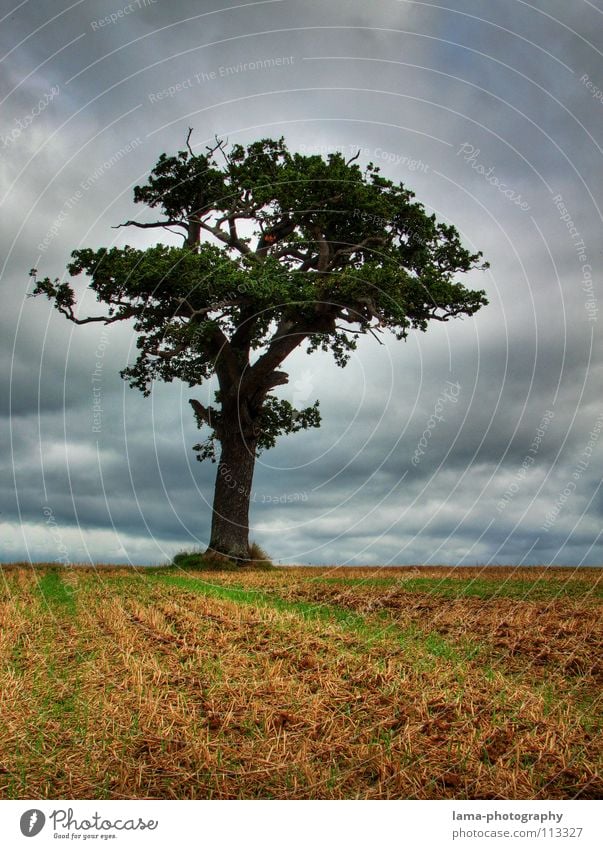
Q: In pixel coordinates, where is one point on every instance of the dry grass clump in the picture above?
(258, 558)
(208, 560)
(215, 561)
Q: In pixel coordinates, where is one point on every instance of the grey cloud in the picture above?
(523, 355)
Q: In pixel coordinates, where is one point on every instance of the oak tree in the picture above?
(279, 249)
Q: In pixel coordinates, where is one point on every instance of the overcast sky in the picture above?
(492, 112)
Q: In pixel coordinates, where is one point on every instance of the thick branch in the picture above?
(277, 378)
(311, 261)
(204, 415)
(291, 252)
(350, 249)
(241, 338)
(324, 251)
(227, 238)
(371, 309)
(276, 233)
(226, 363)
(232, 227)
(286, 339)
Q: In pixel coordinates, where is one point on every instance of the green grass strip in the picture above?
(55, 593)
(308, 610)
(433, 644)
(479, 588)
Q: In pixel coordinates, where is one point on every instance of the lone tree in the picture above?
(279, 249)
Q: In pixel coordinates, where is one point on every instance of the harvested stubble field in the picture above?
(300, 683)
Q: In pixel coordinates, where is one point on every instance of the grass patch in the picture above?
(16, 659)
(535, 590)
(55, 593)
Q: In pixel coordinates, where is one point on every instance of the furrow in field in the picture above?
(516, 716)
(558, 639)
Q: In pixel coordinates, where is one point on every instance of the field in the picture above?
(412, 683)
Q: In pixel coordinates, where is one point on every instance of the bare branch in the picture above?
(232, 241)
(353, 158)
(371, 330)
(143, 226)
(220, 145)
(451, 313)
(190, 132)
(352, 329)
(167, 355)
(183, 235)
(193, 313)
(105, 319)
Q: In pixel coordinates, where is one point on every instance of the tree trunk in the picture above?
(230, 520)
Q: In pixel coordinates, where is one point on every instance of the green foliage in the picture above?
(330, 252)
(281, 417)
(277, 417)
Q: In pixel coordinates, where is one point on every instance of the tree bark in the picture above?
(193, 237)
(230, 520)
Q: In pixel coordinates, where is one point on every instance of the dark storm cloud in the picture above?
(478, 116)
